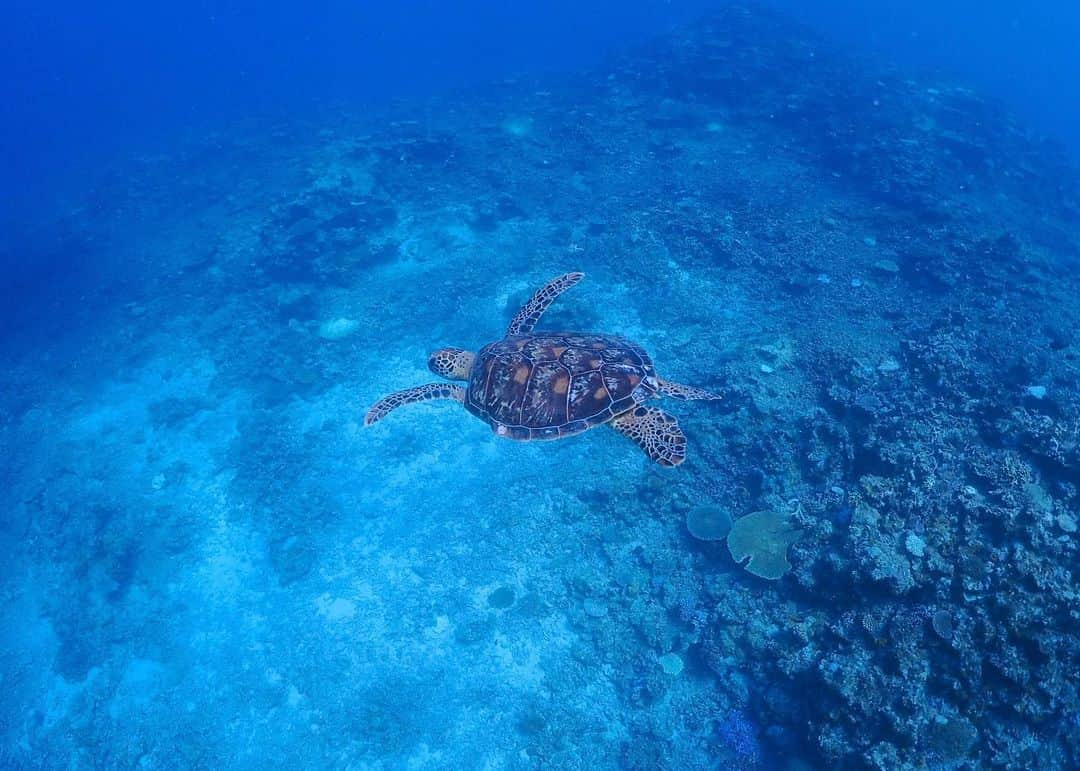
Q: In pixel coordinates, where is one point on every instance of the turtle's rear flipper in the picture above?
(409, 395)
(655, 432)
(531, 311)
(685, 392)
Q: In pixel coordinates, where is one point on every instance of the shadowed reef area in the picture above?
(210, 562)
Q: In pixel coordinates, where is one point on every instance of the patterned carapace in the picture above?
(555, 384)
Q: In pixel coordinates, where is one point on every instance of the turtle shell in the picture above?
(558, 383)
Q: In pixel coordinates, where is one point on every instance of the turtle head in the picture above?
(451, 363)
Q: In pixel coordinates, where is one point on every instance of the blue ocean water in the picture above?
(230, 231)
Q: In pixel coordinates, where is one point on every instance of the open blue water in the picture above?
(229, 230)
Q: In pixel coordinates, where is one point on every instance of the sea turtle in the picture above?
(548, 385)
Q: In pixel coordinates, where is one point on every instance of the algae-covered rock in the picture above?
(501, 598)
(951, 738)
(338, 329)
(708, 522)
(672, 664)
(761, 540)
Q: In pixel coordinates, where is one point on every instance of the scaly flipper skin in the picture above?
(655, 432)
(685, 392)
(531, 312)
(409, 395)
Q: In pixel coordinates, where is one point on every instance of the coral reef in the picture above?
(760, 542)
(876, 269)
(708, 522)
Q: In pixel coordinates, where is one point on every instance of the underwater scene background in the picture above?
(869, 557)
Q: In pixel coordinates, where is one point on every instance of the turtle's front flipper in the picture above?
(531, 311)
(655, 432)
(685, 392)
(409, 395)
